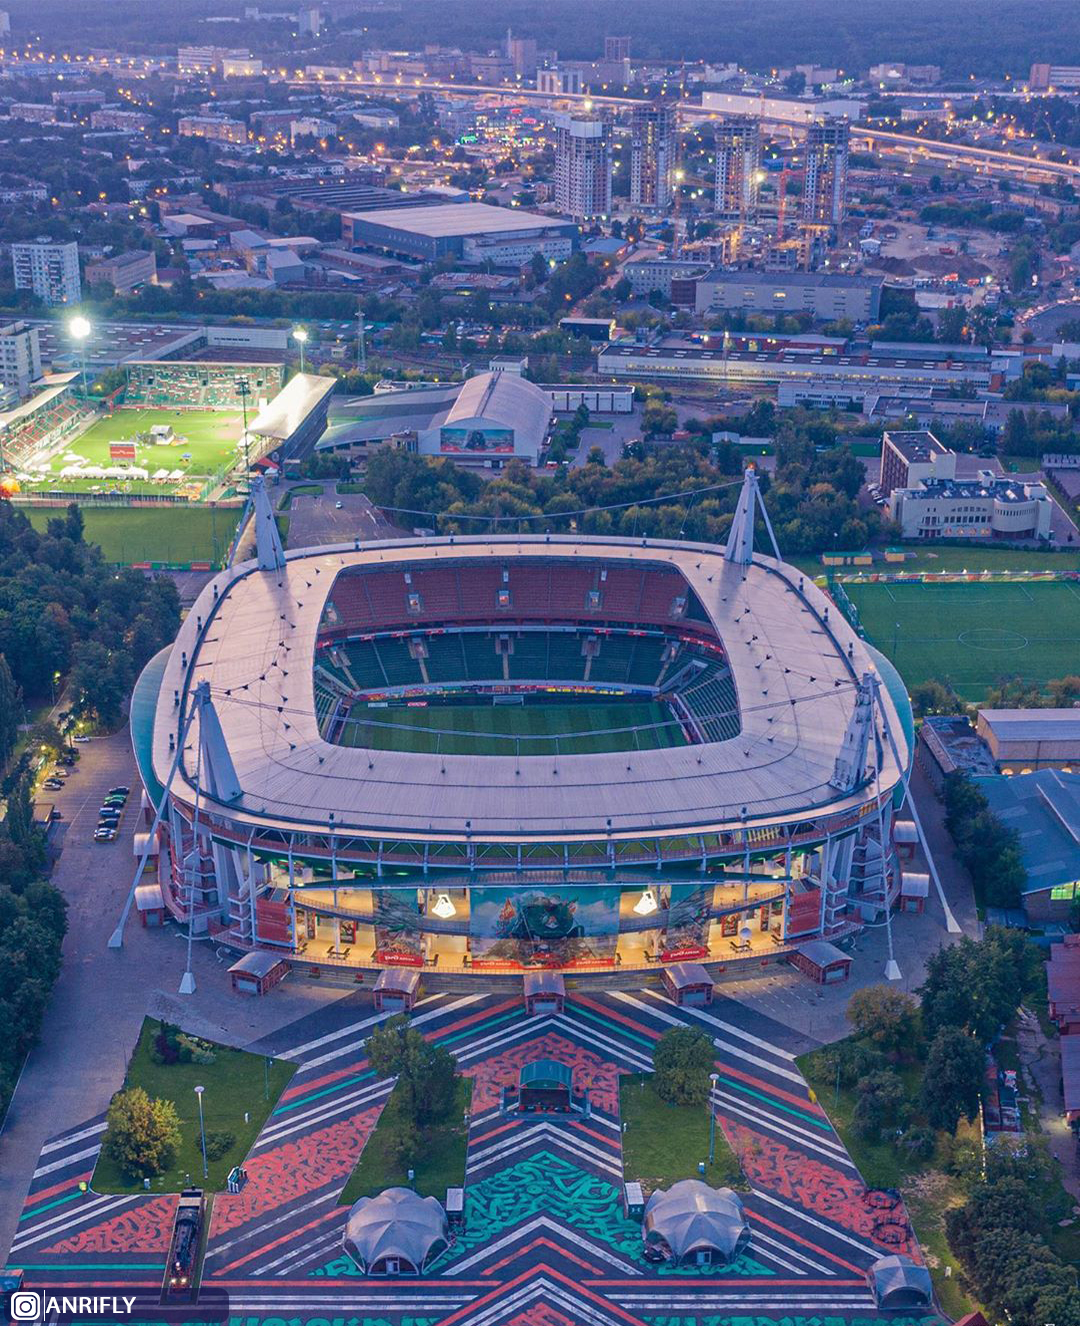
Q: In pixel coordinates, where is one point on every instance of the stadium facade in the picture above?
(327, 792)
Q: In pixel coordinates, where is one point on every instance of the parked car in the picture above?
(80, 740)
(124, 792)
(104, 835)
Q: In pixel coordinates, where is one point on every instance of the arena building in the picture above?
(490, 754)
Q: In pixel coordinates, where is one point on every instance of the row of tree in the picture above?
(989, 849)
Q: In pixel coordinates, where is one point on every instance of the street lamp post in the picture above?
(202, 1130)
(300, 337)
(713, 1079)
(243, 390)
(79, 328)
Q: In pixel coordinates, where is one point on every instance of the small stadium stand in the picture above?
(181, 384)
(295, 418)
(38, 424)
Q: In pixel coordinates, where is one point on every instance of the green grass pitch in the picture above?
(181, 533)
(973, 635)
(578, 729)
(210, 440)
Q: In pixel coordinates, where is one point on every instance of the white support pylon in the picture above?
(219, 779)
(740, 541)
(268, 549)
(850, 769)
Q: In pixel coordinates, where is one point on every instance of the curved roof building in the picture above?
(690, 1221)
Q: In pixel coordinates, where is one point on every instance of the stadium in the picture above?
(490, 754)
(174, 431)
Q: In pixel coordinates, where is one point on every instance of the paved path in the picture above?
(545, 1240)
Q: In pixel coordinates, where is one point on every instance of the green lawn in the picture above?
(234, 1082)
(973, 634)
(441, 1164)
(206, 438)
(482, 729)
(664, 1143)
(152, 534)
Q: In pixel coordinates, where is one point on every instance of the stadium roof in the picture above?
(252, 636)
(458, 219)
(46, 389)
(282, 416)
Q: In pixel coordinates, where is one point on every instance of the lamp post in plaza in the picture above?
(79, 329)
(300, 336)
(713, 1079)
(202, 1129)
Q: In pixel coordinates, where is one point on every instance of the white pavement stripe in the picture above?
(722, 1027)
(503, 1152)
(254, 1235)
(326, 1238)
(801, 1300)
(297, 1051)
(304, 1120)
(779, 1124)
(61, 1143)
(66, 1161)
(335, 1299)
(759, 1237)
(57, 1226)
(543, 1289)
(831, 1230)
(416, 1021)
(595, 1037)
(541, 1223)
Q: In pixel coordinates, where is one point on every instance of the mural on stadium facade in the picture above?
(551, 927)
(397, 937)
(686, 928)
(477, 439)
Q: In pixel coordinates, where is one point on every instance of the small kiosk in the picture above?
(905, 839)
(822, 962)
(688, 983)
(150, 904)
(914, 891)
(545, 992)
(545, 1084)
(258, 972)
(396, 990)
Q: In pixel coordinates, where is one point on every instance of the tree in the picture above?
(883, 1015)
(426, 1073)
(682, 1061)
(953, 1076)
(142, 1135)
(877, 1105)
(10, 711)
(935, 697)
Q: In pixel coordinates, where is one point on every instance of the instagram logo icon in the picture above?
(25, 1305)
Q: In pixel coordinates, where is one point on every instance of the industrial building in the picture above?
(472, 232)
(827, 296)
(1023, 739)
(1043, 807)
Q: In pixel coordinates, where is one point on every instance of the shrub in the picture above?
(219, 1143)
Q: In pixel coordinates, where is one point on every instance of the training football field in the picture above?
(973, 635)
(203, 442)
(540, 729)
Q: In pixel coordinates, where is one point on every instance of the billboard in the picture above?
(397, 936)
(556, 927)
(497, 440)
(686, 930)
(121, 450)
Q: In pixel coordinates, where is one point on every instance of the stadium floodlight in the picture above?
(300, 337)
(443, 907)
(79, 329)
(646, 904)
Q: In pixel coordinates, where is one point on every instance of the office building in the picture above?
(124, 271)
(738, 168)
(781, 109)
(558, 82)
(309, 22)
(219, 128)
(653, 152)
(616, 49)
(825, 190)
(826, 295)
(50, 270)
(583, 166)
(988, 507)
(5, 23)
(908, 456)
(1060, 77)
(242, 66)
(664, 274)
(20, 357)
(523, 55)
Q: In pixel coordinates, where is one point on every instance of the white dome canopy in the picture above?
(397, 1225)
(692, 1217)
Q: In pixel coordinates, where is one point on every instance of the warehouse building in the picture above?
(826, 295)
(472, 232)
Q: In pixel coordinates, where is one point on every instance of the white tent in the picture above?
(692, 1221)
(395, 1233)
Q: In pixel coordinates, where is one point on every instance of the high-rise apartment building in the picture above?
(523, 54)
(309, 21)
(616, 49)
(825, 190)
(653, 150)
(583, 166)
(738, 168)
(20, 357)
(50, 270)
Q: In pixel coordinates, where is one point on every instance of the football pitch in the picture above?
(973, 635)
(489, 729)
(203, 442)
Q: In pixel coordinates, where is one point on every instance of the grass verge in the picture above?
(235, 1082)
(442, 1159)
(664, 1143)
